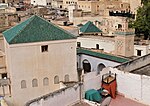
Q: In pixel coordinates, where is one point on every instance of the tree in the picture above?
(142, 22)
(144, 1)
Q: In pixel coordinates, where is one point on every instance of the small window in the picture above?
(45, 81)
(139, 52)
(23, 84)
(4, 75)
(78, 44)
(97, 46)
(44, 48)
(34, 83)
(67, 78)
(56, 80)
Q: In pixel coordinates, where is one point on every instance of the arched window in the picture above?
(86, 66)
(45, 81)
(34, 83)
(100, 67)
(67, 78)
(56, 80)
(23, 84)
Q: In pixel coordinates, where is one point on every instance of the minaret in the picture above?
(71, 9)
(124, 40)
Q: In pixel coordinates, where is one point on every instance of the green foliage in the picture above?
(142, 22)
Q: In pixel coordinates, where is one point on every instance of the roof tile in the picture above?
(35, 29)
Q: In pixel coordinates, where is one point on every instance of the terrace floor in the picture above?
(122, 101)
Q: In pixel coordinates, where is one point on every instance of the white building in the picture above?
(38, 55)
(41, 2)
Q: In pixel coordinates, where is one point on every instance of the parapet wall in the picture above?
(133, 86)
(63, 97)
(134, 64)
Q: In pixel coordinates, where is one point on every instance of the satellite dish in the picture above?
(106, 101)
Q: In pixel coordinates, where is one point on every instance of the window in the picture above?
(121, 5)
(67, 78)
(23, 84)
(139, 52)
(56, 80)
(4, 75)
(34, 83)
(97, 46)
(45, 81)
(119, 26)
(78, 44)
(44, 48)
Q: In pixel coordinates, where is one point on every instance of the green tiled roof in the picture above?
(35, 29)
(89, 27)
(101, 55)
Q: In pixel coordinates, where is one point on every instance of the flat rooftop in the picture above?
(145, 70)
(104, 37)
(122, 101)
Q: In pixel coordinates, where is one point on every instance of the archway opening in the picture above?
(100, 67)
(86, 66)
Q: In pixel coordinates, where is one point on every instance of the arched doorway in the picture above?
(100, 67)
(86, 66)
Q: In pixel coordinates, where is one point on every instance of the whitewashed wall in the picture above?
(143, 48)
(40, 2)
(107, 45)
(133, 86)
(92, 81)
(95, 62)
(61, 97)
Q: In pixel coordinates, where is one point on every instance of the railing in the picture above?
(4, 82)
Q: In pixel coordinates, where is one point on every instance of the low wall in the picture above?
(92, 81)
(133, 86)
(63, 97)
(134, 64)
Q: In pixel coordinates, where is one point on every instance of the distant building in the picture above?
(57, 3)
(122, 43)
(41, 2)
(38, 56)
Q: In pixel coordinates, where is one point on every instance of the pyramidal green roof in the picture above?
(89, 27)
(35, 29)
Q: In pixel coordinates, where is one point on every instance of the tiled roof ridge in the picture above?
(32, 18)
(88, 24)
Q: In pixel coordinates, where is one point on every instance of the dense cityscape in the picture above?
(74, 52)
